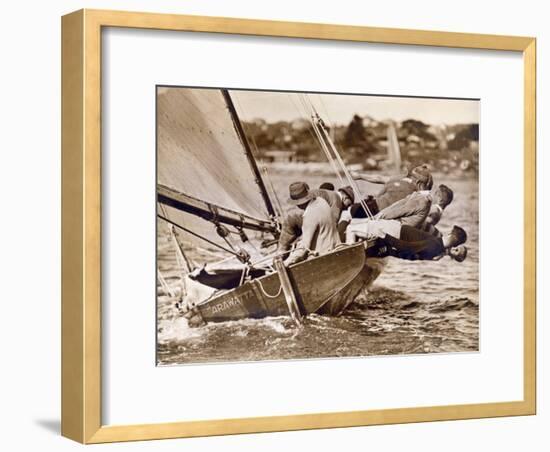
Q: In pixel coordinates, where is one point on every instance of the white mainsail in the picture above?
(201, 154)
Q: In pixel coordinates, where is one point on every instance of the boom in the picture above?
(211, 212)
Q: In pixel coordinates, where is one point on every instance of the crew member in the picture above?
(319, 233)
(327, 186)
(395, 189)
(338, 200)
(411, 210)
(442, 197)
(291, 227)
(407, 242)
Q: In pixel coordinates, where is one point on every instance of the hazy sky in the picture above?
(339, 109)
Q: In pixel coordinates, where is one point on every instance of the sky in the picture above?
(340, 108)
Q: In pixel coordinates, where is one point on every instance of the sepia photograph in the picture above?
(306, 225)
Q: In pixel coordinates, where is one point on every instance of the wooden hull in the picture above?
(339, 302)
(315, 281)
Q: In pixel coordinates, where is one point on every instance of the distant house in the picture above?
(414, 141)
(369, 121)
(276, 156)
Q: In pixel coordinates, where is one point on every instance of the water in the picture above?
(413, 307)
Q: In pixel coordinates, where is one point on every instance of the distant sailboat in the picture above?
(394, 152)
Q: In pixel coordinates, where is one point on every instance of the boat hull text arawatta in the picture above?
(323, 284)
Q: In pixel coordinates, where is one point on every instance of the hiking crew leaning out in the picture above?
(411, 210)
(442, 197)
(395, 188)
(407, 242)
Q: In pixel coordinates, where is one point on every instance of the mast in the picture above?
(248, 151)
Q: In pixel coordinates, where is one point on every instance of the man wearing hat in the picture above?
(319, 233)
(291, 227)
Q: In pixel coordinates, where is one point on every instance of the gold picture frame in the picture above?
(81, 220)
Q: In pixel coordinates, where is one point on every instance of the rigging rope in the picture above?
(324, 138)
(350, 179)
(322, 143)
(164, 284)
(267, 294)
(303, 112)
(236, 254)
(182, 258)
(327, 153)
(278, 206)
(224, 235)
(183, 263)
(326, 111)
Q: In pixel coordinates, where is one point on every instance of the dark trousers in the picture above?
(357, 210)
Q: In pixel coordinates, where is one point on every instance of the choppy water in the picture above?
(413, 307)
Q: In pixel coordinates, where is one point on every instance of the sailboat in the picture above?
(210, 189)
(394, 153)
